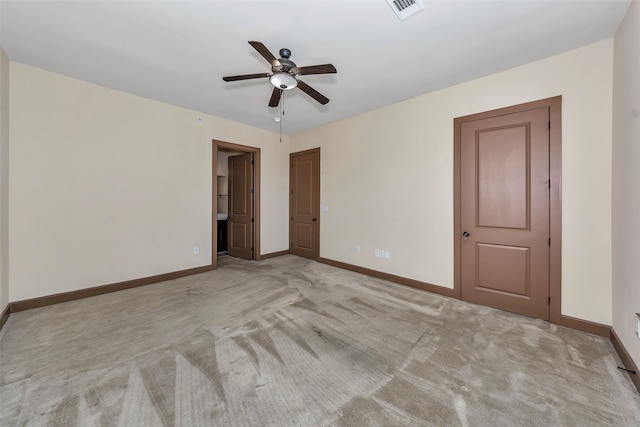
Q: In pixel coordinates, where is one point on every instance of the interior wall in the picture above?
(223, 163)
(106, 186)
(626, 177)
(387, 176)
(223, 171)
(4, 180)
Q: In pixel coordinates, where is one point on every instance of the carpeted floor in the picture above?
(291, 342)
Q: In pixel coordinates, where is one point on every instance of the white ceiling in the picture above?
(178, 51)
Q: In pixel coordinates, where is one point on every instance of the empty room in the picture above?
(319, 213)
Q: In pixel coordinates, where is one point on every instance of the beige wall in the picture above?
(626, 180)
(4, 180)
(223, 163)
(106, 186)
(223, 171)
(387, 176)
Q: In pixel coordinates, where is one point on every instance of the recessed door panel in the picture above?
(303, 236)
(503, 177)
(239, 235)
(503, 269)
(303, 170)
(240, 174)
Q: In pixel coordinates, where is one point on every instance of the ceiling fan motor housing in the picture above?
(287, 64)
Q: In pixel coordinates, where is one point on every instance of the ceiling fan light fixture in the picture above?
(284, 81)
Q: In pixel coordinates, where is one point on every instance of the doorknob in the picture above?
(314, 219)
(465, 235)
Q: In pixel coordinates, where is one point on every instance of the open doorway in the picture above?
(236, 201)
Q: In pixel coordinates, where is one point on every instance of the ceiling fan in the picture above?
(284, 74)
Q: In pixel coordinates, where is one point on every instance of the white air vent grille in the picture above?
(405, 8)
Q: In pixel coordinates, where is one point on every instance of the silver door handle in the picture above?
(465, 235)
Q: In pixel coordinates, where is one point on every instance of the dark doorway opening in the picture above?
(227, 225)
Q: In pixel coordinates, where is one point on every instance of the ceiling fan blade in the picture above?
(312, 92)
(275, 97)
(266, 54)
(245, 77)
(315, 69)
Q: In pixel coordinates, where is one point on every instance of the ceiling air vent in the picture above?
(405, 8)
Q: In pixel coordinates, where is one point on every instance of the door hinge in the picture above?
(549, 125)
(549, 184)
(549, 241)
(549, 300)
(251, 249)
(251, 219)
(252, 191)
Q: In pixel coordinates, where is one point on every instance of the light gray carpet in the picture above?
(291, 342)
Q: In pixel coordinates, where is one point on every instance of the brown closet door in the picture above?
(304, 203)
(505, 212)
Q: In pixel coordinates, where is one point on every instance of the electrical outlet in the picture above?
(638, 325)
(196, 250)
(357, 249)
(381, 253)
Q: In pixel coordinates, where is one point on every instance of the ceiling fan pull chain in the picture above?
(281, 114)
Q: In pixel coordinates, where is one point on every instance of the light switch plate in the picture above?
(638, 325)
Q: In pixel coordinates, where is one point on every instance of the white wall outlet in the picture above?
(357, 249)
(196, 250)
(381, 253)
(638, 325)
(324, 208)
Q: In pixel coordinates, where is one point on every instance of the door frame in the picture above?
(217, 144)
(317, 196)
(555, 200)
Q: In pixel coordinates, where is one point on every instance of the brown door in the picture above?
(240, 231)
(304, 203)
(504, 212)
